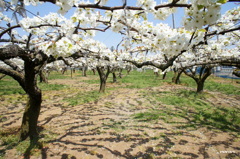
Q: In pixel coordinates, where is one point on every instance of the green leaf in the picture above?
(202, 30)
(222, 1)
(74, 19)
(200, 7)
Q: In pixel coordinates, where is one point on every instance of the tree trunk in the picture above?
(164, 75)
(176, 78)
(120, 73)
(71, 73)
(30, 117)
(84, 71)
(200, 86)
(32, 109)
(103, 78)
(64, 70)
(156, 74)
(42, 76)
(94, 71)
(114, 77)
(102, 86)
(128, 70)
(199, 78)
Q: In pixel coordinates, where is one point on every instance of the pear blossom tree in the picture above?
(223, 50)
(199, 76)
(171, 43)
(199, 63)
(47, 40)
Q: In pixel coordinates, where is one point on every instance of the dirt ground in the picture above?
(106, 128)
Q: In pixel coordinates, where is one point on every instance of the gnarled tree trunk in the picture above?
(200, 85)
(200, 78)
(32, 109)
(30, 116)
(103, 78)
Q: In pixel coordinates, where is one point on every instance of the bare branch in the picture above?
(14, 74)
(9, 29)
(171, 5)
(223, 32)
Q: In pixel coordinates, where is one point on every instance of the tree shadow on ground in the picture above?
(100, 132)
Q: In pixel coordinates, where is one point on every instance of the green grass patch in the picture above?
(83, 97)
(222, 87)
(118, 126)
(193, 108)
(93, 81)
(150, 115)
(59, 75)
(183, 98)
(9, 86)
(51, 87)
(9, 139)
(212, 85)
(141, 79)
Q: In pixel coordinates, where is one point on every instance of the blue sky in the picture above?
(110, 38)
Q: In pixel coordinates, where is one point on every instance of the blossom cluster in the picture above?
(59, 36)
(201, 13)
(162, 38)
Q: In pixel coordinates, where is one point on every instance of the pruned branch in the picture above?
(12, 51)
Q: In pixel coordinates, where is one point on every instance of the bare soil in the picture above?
(106, 128)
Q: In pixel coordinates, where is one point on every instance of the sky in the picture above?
(110, 38)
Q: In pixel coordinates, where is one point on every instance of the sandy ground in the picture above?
(106, 128)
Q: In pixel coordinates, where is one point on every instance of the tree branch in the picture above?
(223, 32)
(14, 74)
(12, 51)
(12, 65)
(9, 29)
(13, 41)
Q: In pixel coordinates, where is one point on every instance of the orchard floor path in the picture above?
(108, 128)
